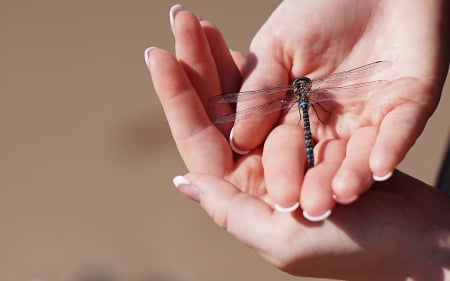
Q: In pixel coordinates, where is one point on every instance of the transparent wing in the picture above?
(324, 88)
(263, 109)
(350, 91)
(352, 74)
(320, 82)
(249, 95)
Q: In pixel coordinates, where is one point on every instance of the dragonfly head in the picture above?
(302, 83)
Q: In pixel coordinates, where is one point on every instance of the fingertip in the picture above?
(289, 209)
(342, 186)
(316, 192)
(346, 190)
(354, 175)
(382, 177)
(182, 184)
(317, 218)
(239, 59)
(180, 180)
(173, 10)
(381, 170)
(147, 54)
(381, 174)
(345, 200)
(233, 145)
(387, 154)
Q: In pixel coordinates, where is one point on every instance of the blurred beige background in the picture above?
(86, 158)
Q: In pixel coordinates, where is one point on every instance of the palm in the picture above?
(328, 36)
(350, 39)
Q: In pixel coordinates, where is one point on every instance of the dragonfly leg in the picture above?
(287, 109)
(317, 114)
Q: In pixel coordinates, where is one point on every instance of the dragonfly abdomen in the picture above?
(303, 108)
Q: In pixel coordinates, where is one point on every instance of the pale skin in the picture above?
(366, 133)
(312, 38)
(239, 192)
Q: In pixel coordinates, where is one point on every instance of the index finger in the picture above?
(263, 70)
(201, 145)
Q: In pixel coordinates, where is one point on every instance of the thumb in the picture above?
(263, 70)
(242, 215)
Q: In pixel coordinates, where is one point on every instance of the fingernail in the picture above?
(185, 187)
(287, 209)
(321, 217)
(175, 9)
(382, 178)
(147, 53)
(179, 181)
(233, 146)
(345, 200)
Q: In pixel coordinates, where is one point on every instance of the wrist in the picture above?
(427, 253)
(418, 234)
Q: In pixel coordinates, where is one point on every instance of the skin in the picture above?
(282, 50)
(398, 230)
(298, 40)
(239, 191)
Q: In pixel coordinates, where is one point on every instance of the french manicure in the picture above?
(187, 188)
(147, 53)
(318, 218)
(345, 200)
(287, 209)
(382, 178)
(175, 9)
(233, 146)
(179, 181)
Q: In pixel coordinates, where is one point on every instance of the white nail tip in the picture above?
(233, 147)
(382, 178)
(321, 217)
(287, 209)
(179, 180)
(146, 54)
(175, 8)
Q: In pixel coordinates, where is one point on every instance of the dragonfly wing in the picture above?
(352, 74)
(263, 109)
(249, 95)
(351, 91)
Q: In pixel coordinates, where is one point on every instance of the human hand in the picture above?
(234, 192)
(313, 38)
(204, 68)
(398, 230)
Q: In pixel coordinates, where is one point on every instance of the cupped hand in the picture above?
(203, 67)
(314, 38)
(398, 230)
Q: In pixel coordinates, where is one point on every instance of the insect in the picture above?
(305, 92)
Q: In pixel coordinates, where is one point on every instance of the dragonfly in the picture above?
(305, 92)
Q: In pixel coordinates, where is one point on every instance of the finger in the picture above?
(397, 134)
(239, 60)
(273, 235)
(195, 56)
(241, 214)
(201, 145)
(354, 176)
(316, 193)
(263, 70)
(284, 162)
(228, 71)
